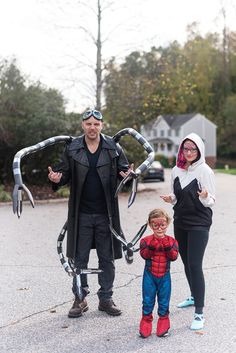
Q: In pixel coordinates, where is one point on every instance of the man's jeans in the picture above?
(94, 228)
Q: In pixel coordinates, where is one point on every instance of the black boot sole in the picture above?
(71, 316)
(109, 312)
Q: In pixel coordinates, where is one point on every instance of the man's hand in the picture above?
(131, 169)
(55, 177)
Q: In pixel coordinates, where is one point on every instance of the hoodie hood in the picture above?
(181, 161)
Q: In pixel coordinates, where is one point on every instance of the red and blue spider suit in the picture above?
(157, 252)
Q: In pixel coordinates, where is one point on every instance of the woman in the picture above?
(193, 195)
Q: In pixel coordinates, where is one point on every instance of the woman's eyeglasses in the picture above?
(191, 150)
(95, 113)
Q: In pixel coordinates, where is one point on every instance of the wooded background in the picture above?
(199, 76)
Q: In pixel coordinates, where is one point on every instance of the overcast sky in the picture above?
(44, 35)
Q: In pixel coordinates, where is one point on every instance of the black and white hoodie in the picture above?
(190, 210)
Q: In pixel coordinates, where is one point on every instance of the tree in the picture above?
(28, 114)
(204, 60)
(86, 67)
(227, 143)
(148, 84)
(95, 26)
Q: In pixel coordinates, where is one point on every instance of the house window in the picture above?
(169, 132)
(169, 145)
(177, 132)
(155, 147)
(162, 146)
(162, 133)
(154, 133)
(176, 148)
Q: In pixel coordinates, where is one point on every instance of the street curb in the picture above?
(141, 188)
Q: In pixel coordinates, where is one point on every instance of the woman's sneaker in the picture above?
(198, 322)
(187, 302)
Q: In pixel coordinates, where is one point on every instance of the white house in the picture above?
(166, 132)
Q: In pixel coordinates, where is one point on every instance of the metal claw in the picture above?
(129, 248)
(29, 195)
(133, 192)
(131, 175)
(19, 202)
(117, 236)
(129, 254)
(139, 234)
(79, 272)
(79, 290)
(17, 198)
(88, 271)
(123, 182)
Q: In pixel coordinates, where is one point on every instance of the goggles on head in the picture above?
(92, 113)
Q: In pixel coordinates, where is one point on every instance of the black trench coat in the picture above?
(74, 167)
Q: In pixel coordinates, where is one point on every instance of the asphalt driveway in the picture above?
(36, 292)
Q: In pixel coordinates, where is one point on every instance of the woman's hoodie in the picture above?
(190, 210)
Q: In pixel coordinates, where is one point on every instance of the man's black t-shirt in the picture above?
(93, 197)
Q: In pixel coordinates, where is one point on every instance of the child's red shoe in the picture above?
(163, 325)
(145, 327)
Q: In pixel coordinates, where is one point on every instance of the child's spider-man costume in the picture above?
(157, 252)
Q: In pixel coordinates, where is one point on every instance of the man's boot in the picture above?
(79, 306)
(163, 325)
(145, 327)
(109, 307)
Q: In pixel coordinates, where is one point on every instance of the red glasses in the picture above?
(160, 224)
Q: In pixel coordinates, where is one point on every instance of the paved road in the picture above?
(35, 291)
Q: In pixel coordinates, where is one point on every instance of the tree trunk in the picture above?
(99, 61)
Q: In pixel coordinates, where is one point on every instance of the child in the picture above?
(158, 250)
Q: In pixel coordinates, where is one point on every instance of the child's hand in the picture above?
(166, 244)
(153, 244)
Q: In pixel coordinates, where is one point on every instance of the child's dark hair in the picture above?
(159, 213)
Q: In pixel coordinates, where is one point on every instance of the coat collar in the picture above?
(107, 143)
(77, 146)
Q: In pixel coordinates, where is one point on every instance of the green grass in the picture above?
(227, 171)
(4, 195)
(63, 192)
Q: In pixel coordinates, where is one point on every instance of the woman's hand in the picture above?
(203, 194)
(166, 198)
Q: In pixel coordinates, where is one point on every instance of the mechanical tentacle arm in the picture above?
(130, 245)
(69, 265)
(19, 186)
(145, 165)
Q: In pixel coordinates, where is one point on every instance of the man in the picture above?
(91, 165)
